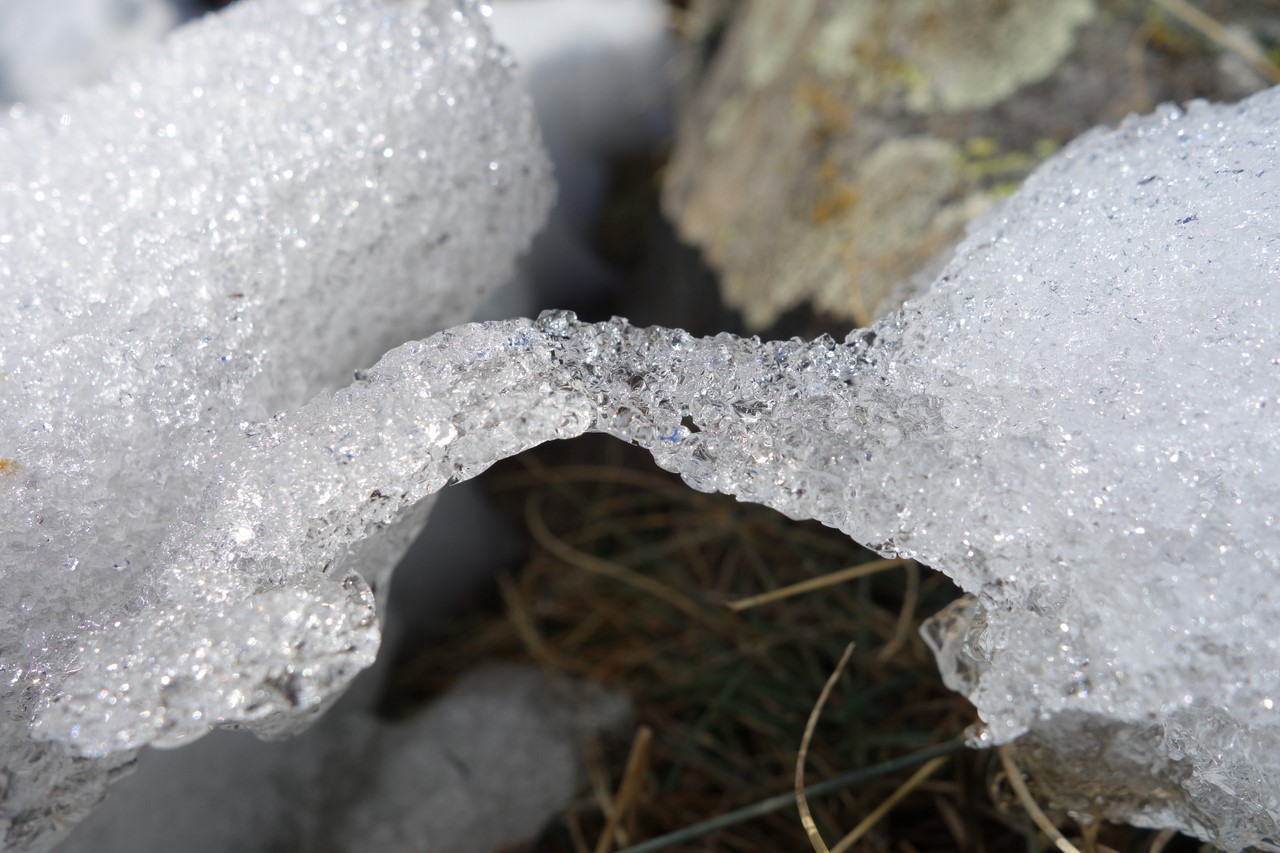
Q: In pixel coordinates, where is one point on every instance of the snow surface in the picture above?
(235, 222)
(1078, 422)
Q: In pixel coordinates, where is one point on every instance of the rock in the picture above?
(834, 149)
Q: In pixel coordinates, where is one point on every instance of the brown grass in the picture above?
(631, 581)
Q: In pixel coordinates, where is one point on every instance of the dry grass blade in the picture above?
(1160, 841)
(630, 787)
(955, 823)
(573, 557)
(1014, 773)
(1222, 36)
(906, 616)
(887, 806)
(817, 583)
(575, 832)
(802, 803)
(755, 811)
(524, 625)
(724, 693)
(1089, 835)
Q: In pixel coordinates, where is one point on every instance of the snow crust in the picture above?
(234, 223)
(1078, 422)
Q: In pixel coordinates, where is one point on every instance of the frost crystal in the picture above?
(231, 225)
(1078, 423)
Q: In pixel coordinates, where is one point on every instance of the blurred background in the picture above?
(772, 167)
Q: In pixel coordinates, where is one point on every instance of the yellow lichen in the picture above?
(981, 160)
(835, 196)
(830, 115)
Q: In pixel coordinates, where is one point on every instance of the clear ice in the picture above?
(231, 224)
(1078, 422)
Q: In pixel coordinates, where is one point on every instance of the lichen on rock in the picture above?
(784, 160)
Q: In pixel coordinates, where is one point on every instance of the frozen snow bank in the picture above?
(1078, 422)
(237, 222)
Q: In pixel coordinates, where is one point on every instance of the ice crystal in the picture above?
(1078, 422)
(232, 224)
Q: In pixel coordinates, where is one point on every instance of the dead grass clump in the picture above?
(673, 597)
